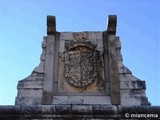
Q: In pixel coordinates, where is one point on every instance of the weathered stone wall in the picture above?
(94, 60)
(89, 54)
(132, 89)
(30, 89)
(125, 88)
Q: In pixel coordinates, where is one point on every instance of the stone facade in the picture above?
(81, 68)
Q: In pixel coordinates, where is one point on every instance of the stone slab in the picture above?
(133, 84)
(28, 84)
(113, 70)
(95, 35)
(97, 100)
(28, 100)
(127, 77)
(30, 92)
(49, 69)
(81, 100)
(66, 36)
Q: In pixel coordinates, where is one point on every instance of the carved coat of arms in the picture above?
(80, 62)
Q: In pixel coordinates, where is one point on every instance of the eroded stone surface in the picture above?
(81, 68)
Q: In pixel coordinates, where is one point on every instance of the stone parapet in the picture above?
(78, 112)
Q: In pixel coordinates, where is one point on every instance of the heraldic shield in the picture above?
(81, 66)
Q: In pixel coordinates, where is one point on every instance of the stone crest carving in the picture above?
(80, 36)
(80, 62)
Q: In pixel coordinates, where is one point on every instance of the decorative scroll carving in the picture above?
(112, 23)
(81, 64)
(51, 25)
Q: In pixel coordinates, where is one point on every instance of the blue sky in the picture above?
(23, 25)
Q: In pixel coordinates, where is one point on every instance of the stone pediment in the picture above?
(81, 75)
(81, 68)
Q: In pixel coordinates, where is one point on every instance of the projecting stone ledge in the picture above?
(77, 112)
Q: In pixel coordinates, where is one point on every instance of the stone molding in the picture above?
(74, 112)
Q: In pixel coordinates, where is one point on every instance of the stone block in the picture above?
(81, 100)
(153, 110)
(118, 43)
(30, 84)
(97, 100)
(28, 100)
(63, 109)
(132, 109)
(95, 35)
(130, 101)
(99, 44)
(144, 101)
(132, 84)
(118, 54)
(132, 97)
(10, 109)
(120, 65)
(40, 68)
(82, 109)
(43, 55)
(75, 99)
(66, 36)
(61, 45)
(60, 100)
(133, 92)
(48, 109)
(113, 70)
(44, 42)
(30, 92)
(81, 35)
(124, 70)
(127, 77)
(104, 109)
(29, 110)
(49, 71)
